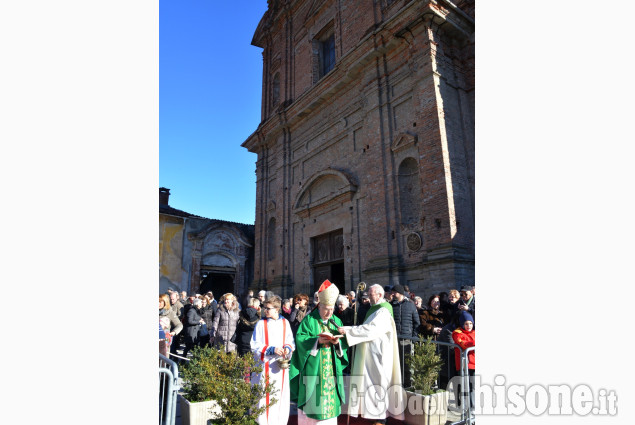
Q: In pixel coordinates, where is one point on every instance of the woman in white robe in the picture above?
(273, 339)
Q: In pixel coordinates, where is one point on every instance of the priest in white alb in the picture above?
(271, 342)
(375, 386)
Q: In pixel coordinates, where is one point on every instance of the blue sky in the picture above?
(210, 89)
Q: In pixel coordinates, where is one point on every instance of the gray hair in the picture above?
(197, 302)
(378, 289)
(341, 299)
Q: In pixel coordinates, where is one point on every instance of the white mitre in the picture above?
(328, 293)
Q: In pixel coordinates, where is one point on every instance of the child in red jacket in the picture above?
(464, 337)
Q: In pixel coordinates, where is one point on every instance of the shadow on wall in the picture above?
(165, 284)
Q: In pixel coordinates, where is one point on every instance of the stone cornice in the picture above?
(236, 233)
(376, 42)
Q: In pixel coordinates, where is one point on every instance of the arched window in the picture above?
(271, 239)
(409, 191)
(275, 90)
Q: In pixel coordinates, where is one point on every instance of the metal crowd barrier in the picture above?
(168, 388)
(467, 392)
(447, 350)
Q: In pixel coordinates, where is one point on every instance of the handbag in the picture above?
(202, 331)
(233, 338)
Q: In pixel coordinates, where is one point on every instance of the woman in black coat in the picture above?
(207, 313)
(247, 320)
(193, 322)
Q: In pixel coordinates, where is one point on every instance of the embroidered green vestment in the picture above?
(316, 381)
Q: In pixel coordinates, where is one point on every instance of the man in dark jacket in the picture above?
(213, 303)
(467, 301)
(407, 322)
(363, 308)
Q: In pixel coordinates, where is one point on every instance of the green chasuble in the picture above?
(316, 382)
(376, 307)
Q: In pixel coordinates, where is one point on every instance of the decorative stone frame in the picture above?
(324, 190)
(233, 245)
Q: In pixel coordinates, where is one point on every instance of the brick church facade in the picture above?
(365, 168)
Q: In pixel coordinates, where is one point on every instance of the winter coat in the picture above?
(296, 316)
(451, 312)
(346, 316)
(362, 309)
(247, 320)
(406, 317)
(214, 307)
(192, 325)
(464, 339)
(447, 353)
(169, 321)
(177, 308)
(431, 319)
(471, 306)
(285, 314)
(208, 315)
(223, 328)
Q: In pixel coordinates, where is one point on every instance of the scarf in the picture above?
(300, 314)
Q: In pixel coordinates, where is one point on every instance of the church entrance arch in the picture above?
(219, 280)
(328, 259)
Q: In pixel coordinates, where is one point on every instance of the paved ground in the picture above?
(452, 415)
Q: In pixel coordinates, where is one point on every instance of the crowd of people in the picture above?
(315, 335)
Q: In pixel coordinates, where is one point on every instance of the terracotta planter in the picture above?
(427, 409)
(198, 413)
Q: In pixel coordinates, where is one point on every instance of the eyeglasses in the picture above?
(270, 308)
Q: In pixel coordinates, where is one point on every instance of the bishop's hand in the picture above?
(324, 340)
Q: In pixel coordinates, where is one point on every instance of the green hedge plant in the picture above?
(224, 377)
(426, 364)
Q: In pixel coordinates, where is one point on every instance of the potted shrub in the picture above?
(216, 387)
(427, 405)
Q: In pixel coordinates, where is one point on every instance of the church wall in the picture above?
(170, 252)
(393, 94)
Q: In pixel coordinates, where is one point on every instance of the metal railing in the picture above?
(446, 349)
(168, 388)
(467, 392)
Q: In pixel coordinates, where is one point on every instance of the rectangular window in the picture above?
(327, 54)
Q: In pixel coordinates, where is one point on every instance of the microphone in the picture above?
(333, 322)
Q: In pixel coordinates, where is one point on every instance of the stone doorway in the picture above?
(328, 260)
(219, 282)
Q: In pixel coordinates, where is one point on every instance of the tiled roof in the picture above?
(248, 229)
(166, 209)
